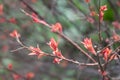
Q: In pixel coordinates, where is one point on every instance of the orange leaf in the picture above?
(56, 27)
(106, 53)
(88, 45)
(53, 44)
(1, 9)
(14, 34)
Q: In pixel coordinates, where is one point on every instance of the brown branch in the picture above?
(73, 61)
(75, 45)
(62, 35)
(52, 55)
(30, 8)
(111, 43)
(99, 26)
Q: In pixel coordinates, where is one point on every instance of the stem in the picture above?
(61, 34)
(99, 27)
(99, 63)
(73, 61)
(76, 45)
(29, 7)
(52, 55)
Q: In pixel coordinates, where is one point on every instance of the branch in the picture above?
(29, 7)
(99, 27)
(52, 55)
(61, 34)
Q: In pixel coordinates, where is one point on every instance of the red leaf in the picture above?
(58, 54)
(1, 9)
(30, 75)
(37, 20)
(34, 51)
(57, 60)
(56, 27)
(93, 13)
(53, 44)
(106, 53)
(10, 66)
(115, 37)
(116, 24)
(103, 8)
(90, 20)
(101, 14)
(16, 77)
(88, 45)
(14, 34)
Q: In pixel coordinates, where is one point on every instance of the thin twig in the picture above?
(61, 34)
(63, 58)
(29, 7)
(111, 43)
(17, 49)
(66, 38)
(99, 27)
(76, 45)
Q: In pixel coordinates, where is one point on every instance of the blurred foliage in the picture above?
(72, 15)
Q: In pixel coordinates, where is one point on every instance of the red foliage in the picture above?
(58, 54)
(116, 24)
(34, 51)
(1, 9)
(15, 34)
(93, 13)
(103, 8)
(90, 20)
(10, 66)
(35, 19)
(115, 37)
(88, 45)
(16, 77)
(56, 27)
(30, 75)
(103, 73)
(101, 14)
(57, 60)
(53, 44)
(106, 53)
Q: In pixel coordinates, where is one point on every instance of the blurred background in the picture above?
(74, 15)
